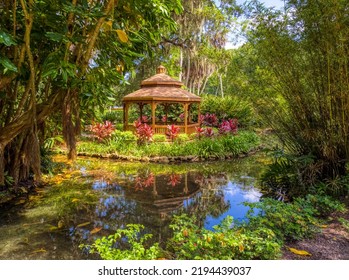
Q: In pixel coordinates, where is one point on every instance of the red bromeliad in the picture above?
(144, 132)
(229, 126)
(199, 132)
(102, 130)
(209, 132)
(210, 120)
(172, 132)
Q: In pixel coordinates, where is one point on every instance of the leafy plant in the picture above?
(229, 107)
(182, 138)
(228, 126)
(172, 132)
(210, 119)
(226, 242)
(144, 132)
(125, 244)
(113, 116)
(123, 136)
(102, 131)
(209, 132)
(199, 132)
(291, 221)
(159, 138)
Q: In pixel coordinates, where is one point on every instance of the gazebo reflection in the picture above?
(162, 194)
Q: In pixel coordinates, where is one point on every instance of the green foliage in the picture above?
(181, 138)
(336, 187)
(77, 55)
(131, 240)
(303, 59)
(291, 221)
(8, 180)
(115, 116)
(345, 223)
(291, 176)
(124, 143)
(191, 242)
(228, 107)
(159, 138)
(123, 136)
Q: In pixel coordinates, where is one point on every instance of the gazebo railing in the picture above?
(161, 129)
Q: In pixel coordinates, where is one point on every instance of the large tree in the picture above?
(196, 51)
(52, 53)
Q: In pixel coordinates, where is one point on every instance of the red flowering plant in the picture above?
(144, 132)
(144, 119)
(201, 119)
(228, 126)
(199, 132)
(102, 131)
(164, 119)
(210, 120)
(209, 132)
(172, 132)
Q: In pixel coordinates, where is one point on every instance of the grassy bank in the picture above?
(233, 145)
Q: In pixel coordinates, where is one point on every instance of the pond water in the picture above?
(92, 198)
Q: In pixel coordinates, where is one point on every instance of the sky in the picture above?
(268, 3)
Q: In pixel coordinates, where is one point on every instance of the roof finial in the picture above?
(161, 70)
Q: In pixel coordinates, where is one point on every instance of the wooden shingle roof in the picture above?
(161, 87)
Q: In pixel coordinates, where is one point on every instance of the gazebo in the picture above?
(161, 89)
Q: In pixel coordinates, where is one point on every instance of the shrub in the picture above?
(228, 107)
(159, 138)
(123, 136)
(209, 119)
(209, 132)
(182, 138)
(292, 221)
(115, 116)
(172, 132)
(228, 126)
(125, 244)
(225, 243)
(199, 132)
(144, 132)
(102, 131)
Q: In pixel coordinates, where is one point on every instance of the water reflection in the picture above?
(104, 196)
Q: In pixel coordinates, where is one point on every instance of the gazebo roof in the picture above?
(161, 87)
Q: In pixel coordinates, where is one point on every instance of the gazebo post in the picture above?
(185, 118)
(153, 108)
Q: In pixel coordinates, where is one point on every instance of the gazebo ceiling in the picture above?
(161, 87)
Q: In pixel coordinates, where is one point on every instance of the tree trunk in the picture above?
(180, 64)
(221, 85)
(2, 166)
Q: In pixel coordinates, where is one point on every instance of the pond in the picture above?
(92, 198)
